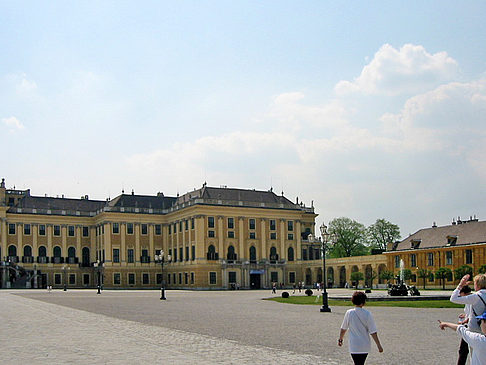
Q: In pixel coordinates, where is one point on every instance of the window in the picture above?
(186, 224)
(231, 234)
(117, 278)
(170, 229)
(145, 278)
(130, 256)
(430, 259)
(397, 262)
(290, 236)
(27, 229)
(290, 226)
(180, 254)
(186, 278)
(175, 227)
(158, 229)
(42, 229)
(145, 259)
(210, 222)
(85, 231)
(290, 254)
(57, 230)
(72, 279)
(469, 256)
(57, 279)
(158, 278)
(144, 228)
(273, 254)
(304, 254)
(193, 253)
(413, 260)
(273, 226)
(129, 228)
(252, 235)
(192, 278)
(116, 255)
(211, 234)
(251, 223)
(273, 235)
(71, 231)
(131, 279)
(116, 228)
(232, 277)
(274, 276)
(85, 279)
(449, 258)
(231, 223)
(231, 254)
(192, 223)
(180, 226)
(253, 254)
(168, 279)
(180, 278)
(212, 278)
(11, 228)
(175, 255)
(187, 253)
(212, 255)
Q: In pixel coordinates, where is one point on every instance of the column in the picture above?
(92, 238)
(183, 243)
(151, 241)
(220, 237)
(241, 239)
(263, 235)
(123, 246)
(4, 238)
(298, 233)
(107, 241)
(49, 241)
(283, 253)
(137, 242)
(20, 235)
(79, 233)
(35, 233)
(64, 242)
(200, 237)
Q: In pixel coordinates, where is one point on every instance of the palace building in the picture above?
(211, 238)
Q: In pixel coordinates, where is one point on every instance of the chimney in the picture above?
(434, 225)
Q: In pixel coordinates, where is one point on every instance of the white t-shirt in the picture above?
(361, 325)
(477, 306)
(478, 343)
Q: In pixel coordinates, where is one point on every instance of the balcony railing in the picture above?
(27, 259)
(42, 259)
(145, 259)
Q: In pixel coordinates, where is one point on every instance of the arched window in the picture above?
(85, 258)
(71, 252)
(212, 254)
(27, 251)
(253, 254)
(57, 259)
(12, 250)
(290, 254)
(273, 254)
(42, 251)
(231, 253)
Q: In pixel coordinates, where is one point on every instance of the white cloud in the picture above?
(21, 83)
(410, 69)
(13, 124)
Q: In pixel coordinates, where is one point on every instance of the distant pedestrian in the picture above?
(274, 288)
(300, 286)
(361, 326)
(293, 286)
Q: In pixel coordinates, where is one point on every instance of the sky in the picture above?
(366, 110)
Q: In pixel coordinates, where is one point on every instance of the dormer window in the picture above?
(415, 243)
(451, 240)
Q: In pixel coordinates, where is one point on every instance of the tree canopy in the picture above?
(351, 238)
(382, 232)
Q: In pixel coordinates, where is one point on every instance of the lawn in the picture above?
(313, 300)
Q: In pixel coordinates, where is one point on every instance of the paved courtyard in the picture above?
(224, 327)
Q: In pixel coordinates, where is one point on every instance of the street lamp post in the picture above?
(326, 237)
(160, 259)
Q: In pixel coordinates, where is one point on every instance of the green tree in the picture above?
(482, 269)
(463, 270)
(387, 275)
(380, 233)
(350, 238)
(371, 276)
(357, 276)
(407, 274)
(424, 274)
(442, 273)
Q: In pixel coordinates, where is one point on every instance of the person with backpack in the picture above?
(477, 300)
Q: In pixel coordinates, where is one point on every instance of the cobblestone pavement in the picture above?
(118, 327)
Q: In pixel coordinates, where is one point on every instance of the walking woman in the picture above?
(361, 326)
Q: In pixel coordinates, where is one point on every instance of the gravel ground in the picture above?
(230, 327)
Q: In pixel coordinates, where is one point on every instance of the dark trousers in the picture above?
(463, 352)
(359, 359)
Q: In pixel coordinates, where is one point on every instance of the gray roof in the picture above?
(143, 201)
(466, 233)
(48, 203)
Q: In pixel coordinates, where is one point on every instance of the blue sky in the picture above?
(369, 109)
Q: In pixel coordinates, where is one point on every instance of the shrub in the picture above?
(308, 292)
(285, 294)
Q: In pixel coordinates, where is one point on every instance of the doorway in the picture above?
(255, 281)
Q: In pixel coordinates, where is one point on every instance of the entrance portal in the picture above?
(255, 281)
